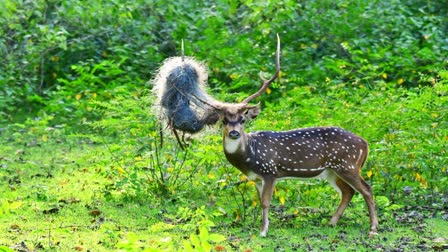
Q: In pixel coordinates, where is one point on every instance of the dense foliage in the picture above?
(57, 52)
(75, 76)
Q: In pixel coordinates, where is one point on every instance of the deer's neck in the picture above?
(236, 151)
(235, 146)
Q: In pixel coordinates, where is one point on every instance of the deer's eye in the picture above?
(225, 121)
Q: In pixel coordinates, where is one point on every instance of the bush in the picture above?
(47, 44)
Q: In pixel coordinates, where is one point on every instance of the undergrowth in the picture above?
(128, 164)
(87, 166)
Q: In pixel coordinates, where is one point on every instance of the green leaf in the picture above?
(216, 238)
(5, 249)
(203, 234)
(187, 246)
(194, 239)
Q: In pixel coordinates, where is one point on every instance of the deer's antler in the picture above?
(266, 83)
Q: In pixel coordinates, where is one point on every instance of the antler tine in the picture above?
(266, 83)
(182, 50)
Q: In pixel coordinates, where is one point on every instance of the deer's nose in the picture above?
(234, 134)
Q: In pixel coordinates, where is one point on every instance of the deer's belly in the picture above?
(320, 174)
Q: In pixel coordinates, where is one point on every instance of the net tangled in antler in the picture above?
(181, 98)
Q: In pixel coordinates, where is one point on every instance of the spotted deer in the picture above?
(329, 153)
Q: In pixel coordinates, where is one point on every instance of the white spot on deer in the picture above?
(360, 155)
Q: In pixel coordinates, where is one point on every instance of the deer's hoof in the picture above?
(372, 234)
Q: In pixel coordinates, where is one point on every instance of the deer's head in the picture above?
(234, 115)
(234, 118)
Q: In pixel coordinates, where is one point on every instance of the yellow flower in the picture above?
(254, 203)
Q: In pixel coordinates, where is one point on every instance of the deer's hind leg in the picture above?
(345, 191)
(360, 185)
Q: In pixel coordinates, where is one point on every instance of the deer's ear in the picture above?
(253, 112)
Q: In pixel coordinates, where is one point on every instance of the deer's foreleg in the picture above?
(265, 192)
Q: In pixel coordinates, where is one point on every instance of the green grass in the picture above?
(82, 169)
(58, 196)
(108, 184)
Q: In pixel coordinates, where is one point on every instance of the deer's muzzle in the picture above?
(234, 134)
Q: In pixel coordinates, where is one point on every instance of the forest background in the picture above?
(81, 160)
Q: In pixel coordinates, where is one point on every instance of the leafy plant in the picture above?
(202, 241)
(147, 162)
